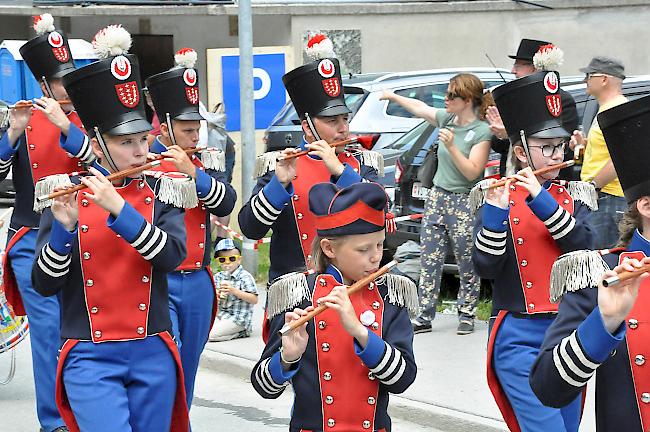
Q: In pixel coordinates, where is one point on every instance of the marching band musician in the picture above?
(192, 302)
(604, 329)
(344, 362)
(279, 200)
(520, 231)
(107, 251)
(46, 140)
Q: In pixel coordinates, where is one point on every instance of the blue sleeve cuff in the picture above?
(203, 183)
(374, 351)
(279, 375)
(128, 223)
(73, 142)
(61, 239)
(543, 205)
(494, 218)
(348, 177)
(6, 150)
(597, 342)
(277, 194)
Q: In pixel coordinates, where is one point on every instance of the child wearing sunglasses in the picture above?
(237, 294)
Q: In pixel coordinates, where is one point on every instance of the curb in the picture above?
(421, 413)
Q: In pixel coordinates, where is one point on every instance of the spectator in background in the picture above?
(462, 154)
(237, 295)
(533, 56)
(604, 78)
(155, 123)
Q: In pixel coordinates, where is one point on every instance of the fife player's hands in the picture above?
(103, 193)
(498, 196)
(327, 153)
(339, 301)
(65, 209)
(294, 343)
(285, 170)
(54, 113)
(182, 161)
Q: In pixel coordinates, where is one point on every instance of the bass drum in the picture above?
(13, 329)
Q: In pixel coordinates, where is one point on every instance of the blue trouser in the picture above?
(516, 347)
(121, 386)
(604, 221)
(44, 330)
(191, 296)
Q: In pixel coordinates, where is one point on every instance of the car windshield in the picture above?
(287, 116)
(407, 140)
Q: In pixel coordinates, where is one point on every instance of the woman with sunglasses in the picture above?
(465, 145)
(237, 294)
(520, 231)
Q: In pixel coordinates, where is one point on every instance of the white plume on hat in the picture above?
(320, 47)
(111, 41)
(43, 23)
(548, 58)
(186, 57)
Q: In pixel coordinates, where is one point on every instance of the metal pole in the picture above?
(247, 104)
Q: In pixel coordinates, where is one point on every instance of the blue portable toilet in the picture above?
(17, 81)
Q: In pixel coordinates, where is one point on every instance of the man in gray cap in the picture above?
(604, 78)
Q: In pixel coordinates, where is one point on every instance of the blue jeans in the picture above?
(605, 220)
(516, 347)
(44, 317)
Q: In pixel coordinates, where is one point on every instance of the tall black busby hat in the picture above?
(107, 94)
(48, 54)
(176, 91)
(316, 88)
(531, 104)
(357, 209)
(626, 129)
(527, 49)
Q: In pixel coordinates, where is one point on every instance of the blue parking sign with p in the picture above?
(269, 92)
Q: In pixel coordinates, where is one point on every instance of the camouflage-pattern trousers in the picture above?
(447, 221)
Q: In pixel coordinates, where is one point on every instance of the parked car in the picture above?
(385, 121)
(408, 194)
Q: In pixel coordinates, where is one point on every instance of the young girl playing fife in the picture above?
(520, 231)
(344, 362)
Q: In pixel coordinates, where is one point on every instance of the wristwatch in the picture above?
(593, 183)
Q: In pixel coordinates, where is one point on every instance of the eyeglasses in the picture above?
(452, 95)
(549, 150)
(231, 258)
(591, 75)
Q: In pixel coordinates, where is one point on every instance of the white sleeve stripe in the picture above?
(53, 264)
(393, 366)
(159, 247)
(556, 215)
(493, 235)
(5, 163)
(143, 235)
(259, 376)
(489, 250)
(267, 204)
(153, 239)
(53, 255)
(49, 272)
(384, 361)
(219, 192)
(559, 223)
(566, 230)
(260, 212)
(569, 362)
(211, 192)
(573, 340)
(562, 372)
(397, 376)
(488, 242)
(267, 373)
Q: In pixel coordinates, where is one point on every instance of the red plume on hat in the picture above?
(186, 57)
(548, 58)
(43, 24)
(320, 47)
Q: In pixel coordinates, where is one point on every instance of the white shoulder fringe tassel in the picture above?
(477, 194)
(583, 192)
(576, 270)
(402, 292)
(214, 160)
(45, 186)
(287, 292)
(373, 159)
(179, 192)
(265, 163)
